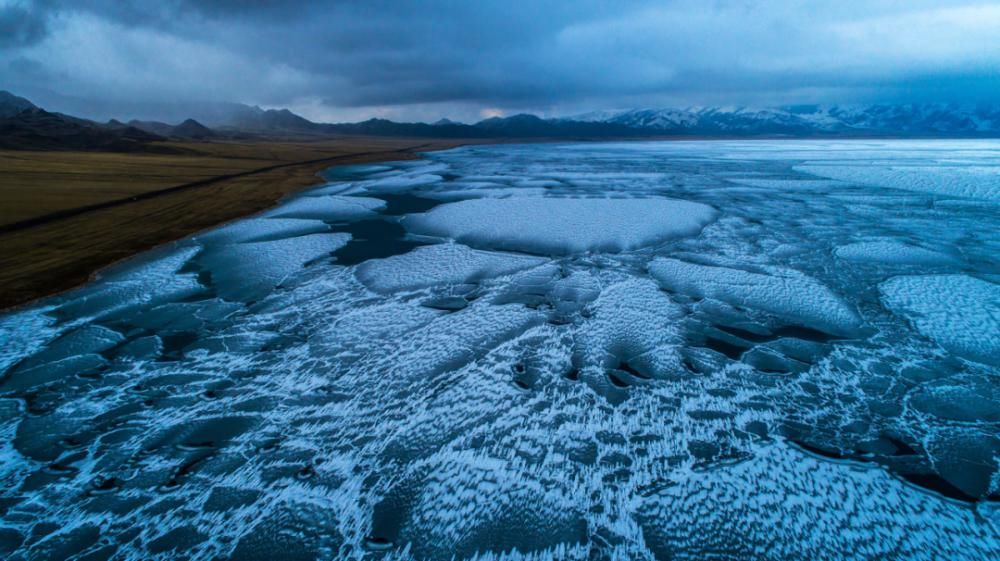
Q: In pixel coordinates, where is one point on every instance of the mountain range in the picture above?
(931, 119)
(189, 129)
(23, 125)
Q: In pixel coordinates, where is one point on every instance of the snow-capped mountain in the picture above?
(910, 119)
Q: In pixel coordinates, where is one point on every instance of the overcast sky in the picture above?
(421, 60)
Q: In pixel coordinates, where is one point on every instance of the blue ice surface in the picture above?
(648, 350)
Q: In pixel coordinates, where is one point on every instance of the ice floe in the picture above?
(262, 230)
(249, 271)
(563, 226)
(439, 265)
(891, 253)
(404, 182)
(824, 510)
(329, 208)
(787, 294)
(135, 285)
(975, 182)
(958, 312)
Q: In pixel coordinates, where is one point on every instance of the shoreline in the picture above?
(58, 252)
(77, 211)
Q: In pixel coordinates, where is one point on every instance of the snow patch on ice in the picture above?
(891, 253)
(439, 264)
(958, 312)
(330, 208)
(261, 229)
(786, 293)
(395, 184)
(563, 226)
(784, 184)
(633, 323)
(977, 182)
(829, 510)
(143, 283)
(23, 333)
(249, 271)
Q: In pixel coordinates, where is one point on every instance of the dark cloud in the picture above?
(21, 25)
(344, 59)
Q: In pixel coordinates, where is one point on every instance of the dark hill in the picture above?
(154, 127)
(37, 129)
(192, 129)
(246, 118)
(11, 104)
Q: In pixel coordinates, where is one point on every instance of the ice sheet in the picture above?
(803, 377)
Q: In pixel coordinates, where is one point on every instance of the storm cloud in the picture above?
(423, 60)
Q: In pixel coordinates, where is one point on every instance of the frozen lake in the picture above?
(663, 350)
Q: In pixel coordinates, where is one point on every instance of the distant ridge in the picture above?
(249, 118)
(524, 125)
(875, 120)
(155, 127)
(25, 126)
(270, 120)
(189, 129)
(931, 119)
(516, 126)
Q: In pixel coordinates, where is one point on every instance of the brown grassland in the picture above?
(65, 215)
